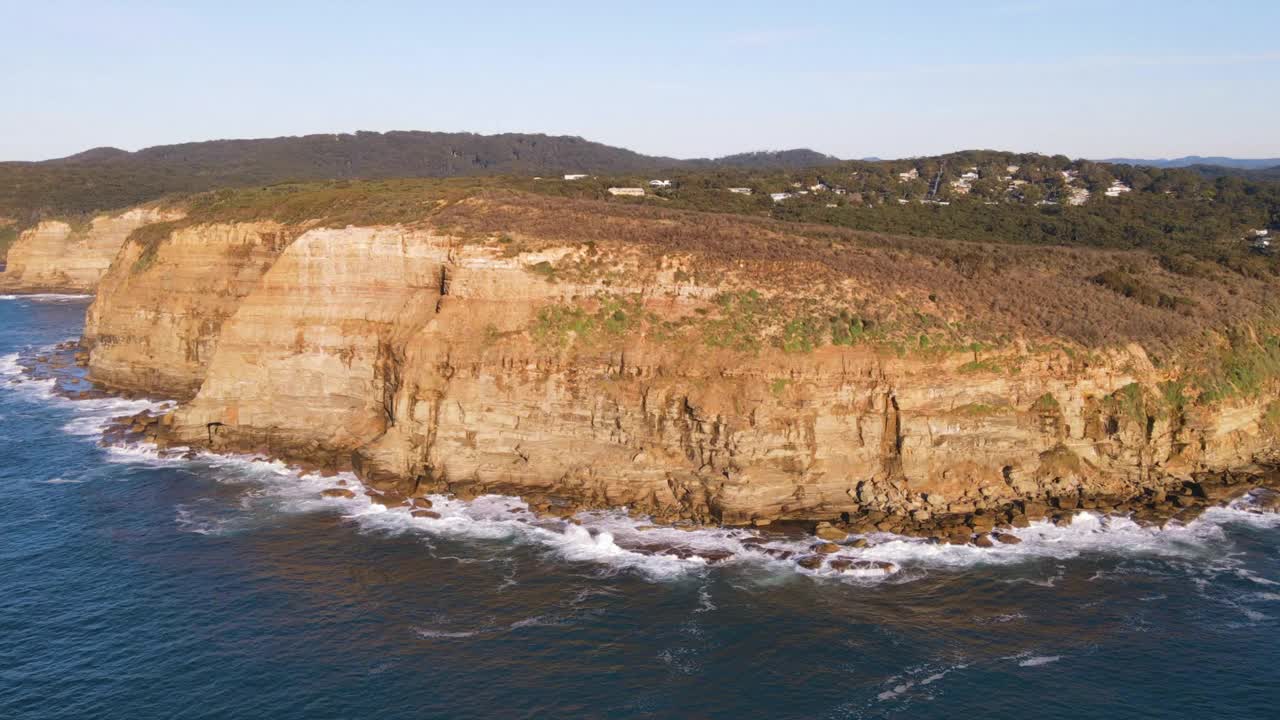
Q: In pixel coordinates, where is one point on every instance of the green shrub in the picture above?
(977, 366)
(1046, 403)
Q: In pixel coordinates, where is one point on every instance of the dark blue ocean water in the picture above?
(135, 587)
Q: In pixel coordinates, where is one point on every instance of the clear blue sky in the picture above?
(1088, 78)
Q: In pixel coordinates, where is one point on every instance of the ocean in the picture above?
(138, 585)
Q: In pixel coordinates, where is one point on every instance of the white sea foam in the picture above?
(1038, 660)
(48, 297)
(62, 481)
(91, 416)
(431, 633)
(9, 364)
(902, 684)
(614, 541)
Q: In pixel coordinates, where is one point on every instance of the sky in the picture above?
(1085, 78)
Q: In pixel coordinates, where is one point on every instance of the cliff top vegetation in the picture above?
(931, 292)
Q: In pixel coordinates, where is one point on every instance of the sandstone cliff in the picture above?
(590, 367)
(54, 256)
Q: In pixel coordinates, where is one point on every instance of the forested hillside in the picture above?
(107, 178)
(1185, 215)
(994, 197)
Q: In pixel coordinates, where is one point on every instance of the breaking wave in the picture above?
(613, 541)
(48, 297)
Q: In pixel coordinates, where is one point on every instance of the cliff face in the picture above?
(613, 374)
(155, 322)
(54, 256)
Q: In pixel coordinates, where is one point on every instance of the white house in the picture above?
(1078, 196)
(740, 191)
(1117, 188)
(659, 183)
(912, 174)
(1260, 233)
(819, 187)
(629, 191)
(575, 176)
(779, 197)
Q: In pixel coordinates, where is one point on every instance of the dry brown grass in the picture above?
(996, 289)
(985, 291)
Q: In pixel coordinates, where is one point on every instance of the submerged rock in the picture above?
(862, 568)
(337, 493)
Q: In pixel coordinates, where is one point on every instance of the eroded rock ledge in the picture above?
(608, 374)
(57, 256)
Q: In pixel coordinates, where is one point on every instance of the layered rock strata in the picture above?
(55, 256)
(610, 374)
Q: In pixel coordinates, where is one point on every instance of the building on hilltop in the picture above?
(575, 176)
(740, 190)
(659, 183)
(1117, 189)
(779, 197)
(628, 191)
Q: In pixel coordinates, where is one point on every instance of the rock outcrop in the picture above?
(609, 374)
(54, 256)
(161, 306)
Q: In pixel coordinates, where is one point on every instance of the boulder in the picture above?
(1008, 539)
(826, 548)
(420, 513)
(983, 540)
(387, 500)
(834, 534)
(337, 493)
(1265, 499)
(1035, 510)
(810, 562)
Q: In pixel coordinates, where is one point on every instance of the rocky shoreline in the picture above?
(1178, 501)
(1156, 504)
